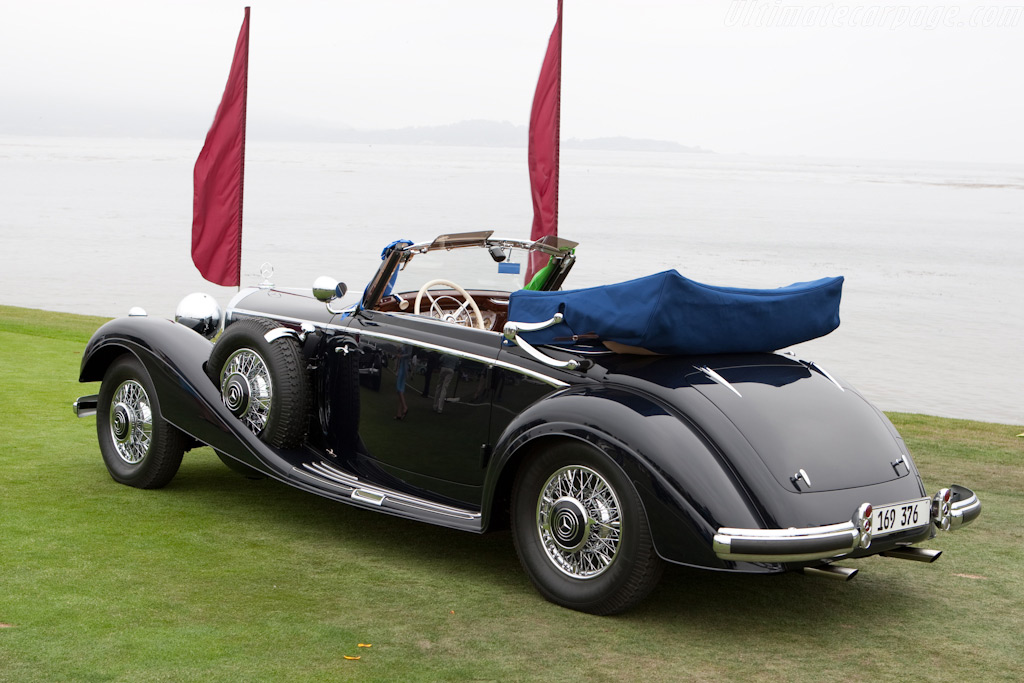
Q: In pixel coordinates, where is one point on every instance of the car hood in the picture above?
(789, 414)
(286, 305)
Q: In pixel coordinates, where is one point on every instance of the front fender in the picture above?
(175, 357)
(687, 488)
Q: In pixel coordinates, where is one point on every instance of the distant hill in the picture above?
(479, 133)
(631, 145)
(127, 122)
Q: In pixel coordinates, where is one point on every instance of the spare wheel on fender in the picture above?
(263, 383)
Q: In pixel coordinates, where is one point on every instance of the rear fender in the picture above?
(686, 487)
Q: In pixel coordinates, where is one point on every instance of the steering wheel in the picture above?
(461, 315)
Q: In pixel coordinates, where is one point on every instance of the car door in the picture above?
(419, 419)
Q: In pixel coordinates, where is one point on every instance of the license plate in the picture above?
(888, 519)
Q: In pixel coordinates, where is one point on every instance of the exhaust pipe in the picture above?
(916, 554)
(831, 571)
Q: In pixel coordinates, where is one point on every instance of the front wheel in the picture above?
(139, 447)
(581, 532)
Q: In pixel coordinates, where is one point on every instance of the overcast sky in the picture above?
(828, 79)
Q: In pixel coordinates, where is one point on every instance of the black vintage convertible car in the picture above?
(422, 396)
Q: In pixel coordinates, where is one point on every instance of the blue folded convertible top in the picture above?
(667, 313)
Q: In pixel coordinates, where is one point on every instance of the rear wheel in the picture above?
(263, 383)
(581, 531)
(139, 447)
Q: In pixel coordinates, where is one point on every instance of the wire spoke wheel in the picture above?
(247, 388)
(131, 422)
(139, 447)
(263, 380)
(580, 529)
(578, 519)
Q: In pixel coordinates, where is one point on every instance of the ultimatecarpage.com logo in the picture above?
(777, 14)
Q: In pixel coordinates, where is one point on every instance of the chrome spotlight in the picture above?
(327, 290)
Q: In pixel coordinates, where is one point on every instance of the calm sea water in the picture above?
(933, 254)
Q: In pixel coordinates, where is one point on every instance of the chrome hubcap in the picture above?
(578, 519)
(569, 524)
(246, 388)
(237, 394)
(131, 422)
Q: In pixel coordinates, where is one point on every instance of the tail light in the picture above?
(940, 509)
(862, 521)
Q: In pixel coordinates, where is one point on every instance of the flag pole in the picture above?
(544, 143)
(241, 172)
(219, 178)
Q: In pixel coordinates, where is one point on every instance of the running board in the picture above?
(402, 504)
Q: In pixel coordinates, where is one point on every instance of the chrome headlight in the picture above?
(199, 312)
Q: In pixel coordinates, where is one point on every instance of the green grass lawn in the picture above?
(218, 578)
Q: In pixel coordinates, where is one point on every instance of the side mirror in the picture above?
(327, 289)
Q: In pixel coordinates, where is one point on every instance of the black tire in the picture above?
(139, 447)
(265, 384)
(569, 545)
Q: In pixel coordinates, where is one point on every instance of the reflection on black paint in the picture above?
(424, 414)
(512, 393)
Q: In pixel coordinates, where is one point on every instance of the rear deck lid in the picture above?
(798, 419)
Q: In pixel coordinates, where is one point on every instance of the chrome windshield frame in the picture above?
(549, 245)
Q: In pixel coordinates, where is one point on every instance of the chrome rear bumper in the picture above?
(86, 405)
(965, 507)
(836, 540)
(786, 545)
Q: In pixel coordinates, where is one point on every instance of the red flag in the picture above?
(219, 177)
(543, 151)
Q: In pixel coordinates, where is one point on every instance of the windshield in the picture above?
(470, 267)
(472, 261)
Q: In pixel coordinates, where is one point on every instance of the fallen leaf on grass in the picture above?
(349, 657)
(364, 645)
(2, 625)
(971, 576)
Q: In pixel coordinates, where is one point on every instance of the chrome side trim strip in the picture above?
(425, 345)
(86, 405)
(718, 378)
(824, 372)
(465, 354)
(281, 318)
(375, 495)
(559, 384)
